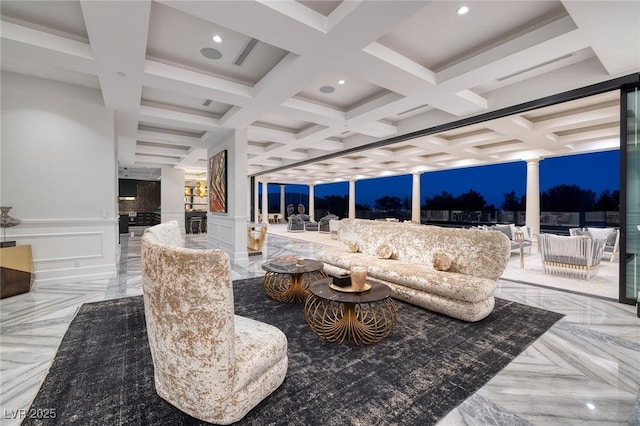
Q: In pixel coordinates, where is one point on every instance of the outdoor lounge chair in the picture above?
(323, 223)
(577, 256)
(294, 221)
(612, 235)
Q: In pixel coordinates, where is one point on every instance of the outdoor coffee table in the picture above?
(288, 282)
(338, 314)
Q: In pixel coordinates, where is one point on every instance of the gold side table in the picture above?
(16, 270)
(363, 318)
(288, 282)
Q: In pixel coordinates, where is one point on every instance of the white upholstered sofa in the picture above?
(208, 362)
(446, 270)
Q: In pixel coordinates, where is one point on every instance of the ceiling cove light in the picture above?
(217, 38)
(462, 10)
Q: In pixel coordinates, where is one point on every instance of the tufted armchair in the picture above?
(208, 362)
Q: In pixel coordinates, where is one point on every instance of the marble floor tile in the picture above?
(584, 370)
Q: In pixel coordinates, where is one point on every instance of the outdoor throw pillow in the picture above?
(582, 233)
(385, 252)
(604, 233)
(441, 262)
(505, 229)
(351, 247)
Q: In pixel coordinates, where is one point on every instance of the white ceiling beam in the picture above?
(141, 159)
(181, 119)
(192, 83)
(260, 133)
(164, 137)
(608, 44)
(118, 54)
(163, 151)
(610, 113)
(38, 45)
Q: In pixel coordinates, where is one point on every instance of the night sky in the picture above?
(595, 171)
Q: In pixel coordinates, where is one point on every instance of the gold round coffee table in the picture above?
(361, 317)
(288, 282)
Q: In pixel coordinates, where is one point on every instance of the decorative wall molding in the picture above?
(65, 250)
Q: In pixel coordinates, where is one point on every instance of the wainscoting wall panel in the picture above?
(229, 234)
(65, 250)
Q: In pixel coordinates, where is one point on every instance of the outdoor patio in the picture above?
(605, 284)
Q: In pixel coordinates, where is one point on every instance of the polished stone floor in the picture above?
(584, 370)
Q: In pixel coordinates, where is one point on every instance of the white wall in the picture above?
(228, 231)
(58, 168)
(172, 195)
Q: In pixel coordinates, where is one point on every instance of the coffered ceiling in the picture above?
(405, 65)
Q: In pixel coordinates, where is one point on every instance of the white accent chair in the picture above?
(208, 362)
(575, 256)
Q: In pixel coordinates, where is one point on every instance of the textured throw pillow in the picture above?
(441, 262)
(505, 229)
(385, 252)
(603, 234)
(582, 233)
(351, 247)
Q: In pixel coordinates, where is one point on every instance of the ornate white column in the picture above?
(352, 199)
(265, 202)
(533, 196)
(312, 202)
(282, 206)
(415, 198)
(256, 199)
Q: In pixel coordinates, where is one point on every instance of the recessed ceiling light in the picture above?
(327, 89)
(217, 38)
(341, 81)
(211, 53)
(462, 10)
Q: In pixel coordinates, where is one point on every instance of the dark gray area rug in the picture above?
(102, 373)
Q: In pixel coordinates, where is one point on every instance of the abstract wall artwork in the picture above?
(218, 183)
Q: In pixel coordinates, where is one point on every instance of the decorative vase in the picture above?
(7, 221)
(358, 277)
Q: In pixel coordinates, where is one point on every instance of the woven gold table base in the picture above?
(362, 323)
(290, 288)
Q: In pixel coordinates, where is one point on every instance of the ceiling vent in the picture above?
(207, 102)
(245, 51)
(411, 110)
(506, 77)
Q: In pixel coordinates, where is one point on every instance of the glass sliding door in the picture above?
(630, 194)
